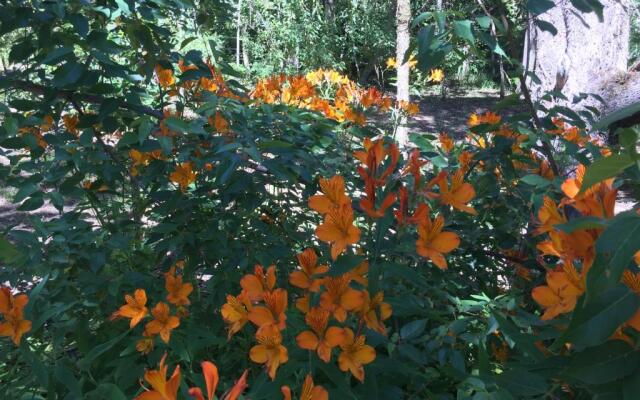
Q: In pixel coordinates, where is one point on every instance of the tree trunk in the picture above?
(238, 31)
(403, 18)
(583, 57)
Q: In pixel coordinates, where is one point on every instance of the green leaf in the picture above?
(66, 377)
(8, 252)
(107, 391)
(631, 386)
(463, 30)
(413, 329)
(32, 203)
(594, 322)
(10, 125)
(176, 124)
(85, 363)
(535, 180)
(546, 26)
(614, 251)
(582, 223)
(537, 7)
(345, 263)
(522, 383)
(608, 362)
(617, 116)
(605, 168)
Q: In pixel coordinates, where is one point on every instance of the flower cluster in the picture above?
(12, 310)
(575, 250)
(167, 389)
(163, 321)
(325, 91)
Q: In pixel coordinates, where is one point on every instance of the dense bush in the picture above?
(205, 229)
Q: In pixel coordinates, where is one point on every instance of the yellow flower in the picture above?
(436, 75)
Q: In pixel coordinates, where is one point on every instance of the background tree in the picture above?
(403, 18)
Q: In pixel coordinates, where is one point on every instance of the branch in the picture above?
(72, 97)
(546, 149)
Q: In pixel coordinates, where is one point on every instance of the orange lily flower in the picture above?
(163, 323)
(219, 123)
(165, 76)
(309, 391)
(145, 345)
(235, 313)
(211, 379)
(238, 387)
(161, 389)
(339, 297)
(355, 354)
(368, 204)
(458, 195)
(549, 215)
(135, 308)
(358, 273)
(332, 196)
(273, 313)
(183, 175)
(304, 278)
(178, 291)
(269, 350)
(320, 339)
(464, 159)
(12, 308)
(570, 246)
(433, 243)
(414, 163)
(338, 230)
(71, 123)
(302, 303)
(598, 200)
(446, 142)
(255, 285)
(633, 282)
(375, 311)
(559, 296)
(436, 75)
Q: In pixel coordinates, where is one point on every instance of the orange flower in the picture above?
(235, 312)
(255, 285)
(145, 345)
(183, 175)
(408, 107)
(458, 195)
(570, 246)
(436, 75)
(165, 76)
(135, 308)
(486, 118)
(338, 230)
(355, 354)
(71, 123)
(269, 350)
(238, 387)
(548, 215)
(220, 124)
(559, 296)
(339, 297)
(598, 200)
(633, 282)
(304, 278)
(273, 313)
(211, 379)
(413, 166)
(368, 204)
(446, 142)
(12, 308)
(464, 159)
(358, 273)
(163, 323)
(375, 311)
(178, 292)
(333, 195)
(308, 392)
(161, 389)
(302, 303)
(320, 339)
(433, 243)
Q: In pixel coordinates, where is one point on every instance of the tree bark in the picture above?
(583, 57)
(403, 18)
(238, 31)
